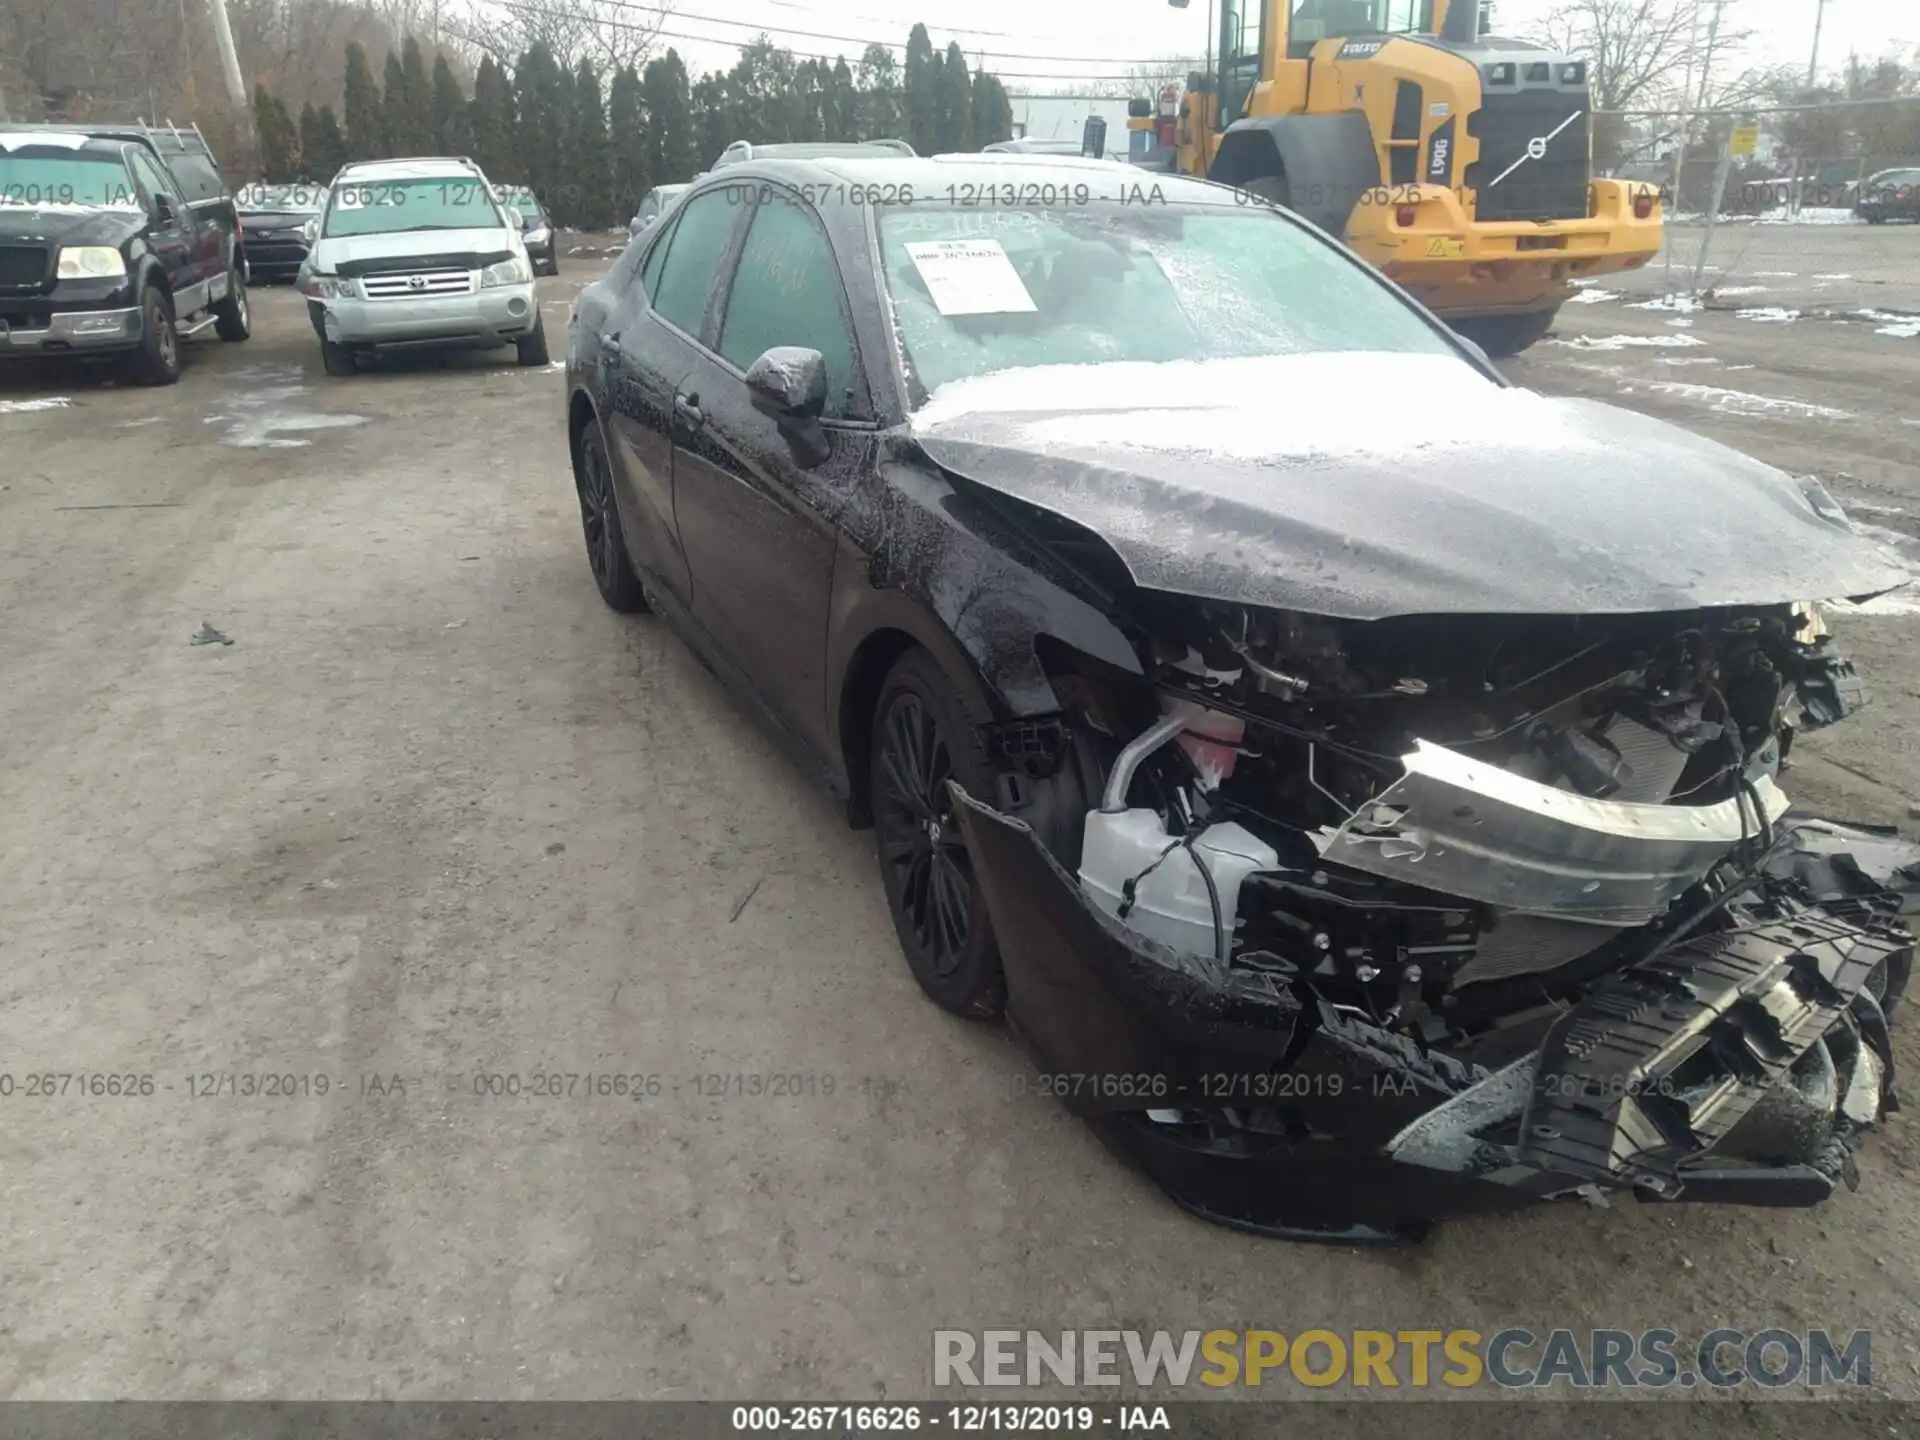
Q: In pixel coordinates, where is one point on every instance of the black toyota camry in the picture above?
(1357, 779)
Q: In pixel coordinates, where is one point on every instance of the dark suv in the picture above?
(115, 240)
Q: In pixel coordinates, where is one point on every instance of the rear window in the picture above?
(198, 179)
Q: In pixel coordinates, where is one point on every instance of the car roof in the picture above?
(417, 168)
(55, 139)
(815, 149)
(930, 175)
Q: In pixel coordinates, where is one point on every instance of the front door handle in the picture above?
(689, 409)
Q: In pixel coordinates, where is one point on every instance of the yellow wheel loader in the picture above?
(1458, 163)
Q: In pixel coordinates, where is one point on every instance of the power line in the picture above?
(529, 9)
(943, 29)
(838, 39)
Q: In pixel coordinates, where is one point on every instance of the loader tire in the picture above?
(1502, 336)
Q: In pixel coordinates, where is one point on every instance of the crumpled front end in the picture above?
(1373, 926)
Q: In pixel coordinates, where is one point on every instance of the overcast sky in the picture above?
(1029, 43)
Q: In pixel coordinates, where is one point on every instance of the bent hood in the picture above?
(1369, 485)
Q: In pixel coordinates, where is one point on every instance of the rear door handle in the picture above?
(689, 408)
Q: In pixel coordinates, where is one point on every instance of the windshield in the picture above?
(66, 178)
(976, 292)
(282, 199)
(386, 207)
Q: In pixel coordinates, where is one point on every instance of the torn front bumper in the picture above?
(1738, 1067)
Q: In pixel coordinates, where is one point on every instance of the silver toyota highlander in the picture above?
(415, 254)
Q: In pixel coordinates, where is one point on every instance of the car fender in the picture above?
(1329, 161)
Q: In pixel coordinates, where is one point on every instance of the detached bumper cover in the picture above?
(1737, 1067)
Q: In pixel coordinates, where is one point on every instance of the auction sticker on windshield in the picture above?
(970, 277)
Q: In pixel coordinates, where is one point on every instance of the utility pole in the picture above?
(1813, 60)
(1680, 148)
(229, 58)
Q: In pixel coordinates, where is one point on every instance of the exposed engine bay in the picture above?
(1517, 905)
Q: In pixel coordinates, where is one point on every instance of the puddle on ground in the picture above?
(272, 415)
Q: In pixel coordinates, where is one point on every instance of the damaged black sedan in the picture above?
(1357, 780)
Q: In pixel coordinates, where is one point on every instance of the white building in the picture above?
(1064, 117)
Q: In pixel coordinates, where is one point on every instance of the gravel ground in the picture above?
(435, 814)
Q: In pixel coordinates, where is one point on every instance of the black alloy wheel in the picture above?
(922, 738)
(600, 526)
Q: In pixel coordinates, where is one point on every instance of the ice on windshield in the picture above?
(66, 179)
(385, 207)
(1149, 283)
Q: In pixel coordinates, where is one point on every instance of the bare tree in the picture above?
(1143, 82)
(1637, 50)
(610, 33)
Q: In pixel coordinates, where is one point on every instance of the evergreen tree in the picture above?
(311, 145)
(878, 105)
(953, 115)
(710, 127)
(540, 87)
(992, 111)
(841, 105)
(589, 157)
(416, 101)
(922, 100)
(490, 122)
(675, 154)
(451, 132)
(365, 127)
(627, 138)
(324, 163)
(279, 143)
(395, 128)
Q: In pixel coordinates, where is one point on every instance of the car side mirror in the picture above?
(516, 220)
(790, 384)
(310, 230)
(163, 210)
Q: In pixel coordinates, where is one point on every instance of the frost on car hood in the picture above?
(1369, 485)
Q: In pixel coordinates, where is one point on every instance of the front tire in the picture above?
(336, 360)
(1503, 336)
(233, 319)
(531, 349)
(613, 573)
(923, 735)
(157, 361)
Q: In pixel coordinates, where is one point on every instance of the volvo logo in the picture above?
(1537, 147)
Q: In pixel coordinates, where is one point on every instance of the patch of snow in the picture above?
(20, 407)
(1866, 507)
(1812, 215)
(1769, 315)
(1682, 304)
(1625, 342)
(1681, 324)
(1591, 297)
(1739, 290)
(1741, 402)
(1892, 322)
(1691, 360)
(1825, 278)
(1784, 275)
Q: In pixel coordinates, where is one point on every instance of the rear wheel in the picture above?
(924, 736)
(1505, 335)
(600, 524)
(233, 321)
(157, 361)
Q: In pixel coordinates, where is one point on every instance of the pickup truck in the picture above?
(116, 240)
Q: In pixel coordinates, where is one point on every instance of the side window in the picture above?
(197, 177)
(788, 291)
(692, 255)
(148, 175)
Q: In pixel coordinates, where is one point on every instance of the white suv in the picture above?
(419, 253)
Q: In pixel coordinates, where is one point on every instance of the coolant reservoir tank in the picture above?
(1170, 904)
